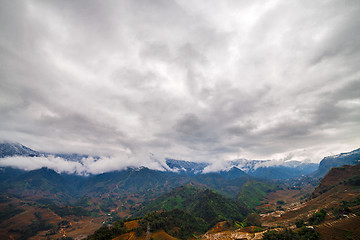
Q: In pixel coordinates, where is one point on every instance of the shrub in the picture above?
(317, 217)
(299, 223)
(253, 220)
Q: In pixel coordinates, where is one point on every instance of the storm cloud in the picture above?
(194, 80)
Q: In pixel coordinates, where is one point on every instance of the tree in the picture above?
(253, 220)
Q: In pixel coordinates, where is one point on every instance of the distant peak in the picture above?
(8, 149)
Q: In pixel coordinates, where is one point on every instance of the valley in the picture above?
(141, 203)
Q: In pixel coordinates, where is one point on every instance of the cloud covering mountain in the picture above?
(199, 81)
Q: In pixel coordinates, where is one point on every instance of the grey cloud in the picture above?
(197, 81)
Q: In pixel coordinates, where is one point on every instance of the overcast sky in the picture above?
(193, 80)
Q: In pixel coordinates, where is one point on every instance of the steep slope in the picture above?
(254, 191)
(350, 158)
(338, 193)
(267, 169)
(331, 213)
(222, 184)
(145, 183)
(161, 225)
(16, 149)
(7, 173)
(346, 175)
(185, 167)
(141, 180)
(283, 172)
(41, 183)
(203, 203)
(233, 173)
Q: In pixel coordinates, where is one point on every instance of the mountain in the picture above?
(283, 172)
(16, 149)
(8, 173)
(217, 181)
(160, 225)
(350, 158)
(186, 167)
(199, 202)
(334, 205)
(233, 173)
(346, 175)
(265, 169)
(258, 168)
(41, 183)
(332, 214)
(134, 180)
(254, 191)
(280, 170)
(144, 182)
(72, 156)
(204, 198)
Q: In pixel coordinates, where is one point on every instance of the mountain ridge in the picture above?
(257, 168)
(349, 158)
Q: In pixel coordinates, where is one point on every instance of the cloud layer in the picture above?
(85, 166)
(200, 81)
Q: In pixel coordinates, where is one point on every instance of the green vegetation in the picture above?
(213, 207)
(340, 211)
(353, 203)
(344, 208)
(253, 220)
(63, 211)
(109, 232)
(107, 204)
(83, 202)
(227, 187)
(202, 203)
(253, 192)
(45, 201)
(177, 223)
(300, 223)
(317, 217)
(303, 234)
(354, 181)
(9, 212)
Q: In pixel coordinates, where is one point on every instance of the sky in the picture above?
(136, 80)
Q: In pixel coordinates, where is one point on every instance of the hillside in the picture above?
(161, 225)
(283, 172)
(227, 196)
(41, 183)
(202, 203)
(332, 212)
(254, 191)
(104, 197)
(338, 194)
(136, 180)
(345, 175)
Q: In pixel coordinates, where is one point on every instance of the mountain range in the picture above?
(183, 190)
(150, 183)
(265, 169)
